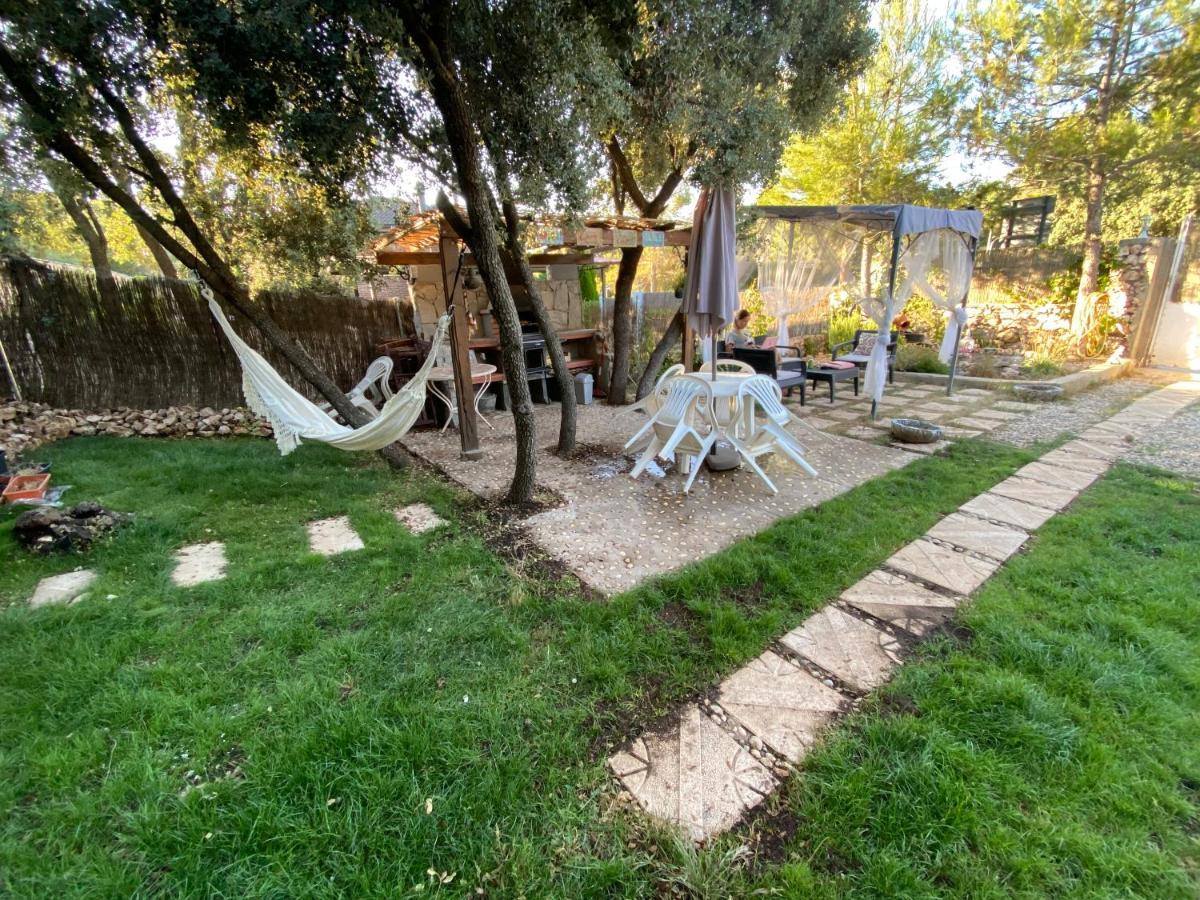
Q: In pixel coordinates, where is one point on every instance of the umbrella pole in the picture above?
(714, 355)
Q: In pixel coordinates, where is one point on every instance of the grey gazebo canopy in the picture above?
(900, 219)
(957, 231)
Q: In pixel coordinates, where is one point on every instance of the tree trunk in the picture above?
(89, 228)
(1084, 315)
(654, 364)
(625, 185)
(622, 328)
(482, 238)
(558, 360)
(162, 258)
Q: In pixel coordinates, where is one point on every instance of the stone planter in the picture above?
(915, 431)
(1037, 391)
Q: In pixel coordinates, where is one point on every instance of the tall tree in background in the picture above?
(76, 197)
(1082, 92)
(893, 126)
(714, 88)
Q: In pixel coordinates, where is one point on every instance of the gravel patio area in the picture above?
(613, 532)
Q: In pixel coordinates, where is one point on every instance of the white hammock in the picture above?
(293, 416)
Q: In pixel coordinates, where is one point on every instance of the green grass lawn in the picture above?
(341, 727)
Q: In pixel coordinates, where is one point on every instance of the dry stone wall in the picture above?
(26, 426)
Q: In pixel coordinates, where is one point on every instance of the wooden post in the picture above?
(689, 347)
(460, 340)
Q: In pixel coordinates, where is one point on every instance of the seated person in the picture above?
(738, 336)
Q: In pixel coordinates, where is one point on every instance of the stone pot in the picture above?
(915, 431)
(1037, 391)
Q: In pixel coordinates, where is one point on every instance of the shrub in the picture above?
(588, 290)
(843, 324)
(1042, 365)
(925, 318)
(919, 358)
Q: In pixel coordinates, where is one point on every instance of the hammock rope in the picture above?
(295, 418)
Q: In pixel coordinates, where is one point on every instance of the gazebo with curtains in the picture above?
(878, 254)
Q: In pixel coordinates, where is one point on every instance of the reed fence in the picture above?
(152, 342)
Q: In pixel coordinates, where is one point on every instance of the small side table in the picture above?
(445, 374)
(817, 373)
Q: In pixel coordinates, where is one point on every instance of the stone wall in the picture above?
(26, 426)
(1014, 325)
(563, 299)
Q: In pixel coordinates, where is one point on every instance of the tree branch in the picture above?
(625, 171)
(453, 217)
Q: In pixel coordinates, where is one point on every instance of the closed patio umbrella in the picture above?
(710, 294)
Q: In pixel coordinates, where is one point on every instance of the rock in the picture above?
(87, 509)
(27, 426)
(45, 529)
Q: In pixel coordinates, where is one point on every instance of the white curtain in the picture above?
(882, 310)
(938, 264)
(797, 268)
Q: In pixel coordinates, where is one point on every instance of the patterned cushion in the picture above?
(866, 343)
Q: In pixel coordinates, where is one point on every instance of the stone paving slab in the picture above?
(1080, 462)
(998, 414)
(859, 654)
(1016, 406)
(1091, 449)
(330, 537)
(900, 602)
(845, 415)
(1057, 476)
(65, 588)
(923, 449)
(1035, 492)
(976, 422)
(418, 518)
(1005, 509)
(694, 775)
(948, 408)
(953, 432)
(955, 571)
(198, 563)
(995, 541)
(780, 703)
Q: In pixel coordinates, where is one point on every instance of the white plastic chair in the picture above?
(373, 390)
(731, 365)
(771, 435)
(674, 429)
(653, 401)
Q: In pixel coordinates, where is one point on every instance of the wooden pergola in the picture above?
(428, 239)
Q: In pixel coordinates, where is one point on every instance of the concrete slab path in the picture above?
(724, 757)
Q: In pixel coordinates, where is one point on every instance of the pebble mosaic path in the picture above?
(722, 758)
(199, 563)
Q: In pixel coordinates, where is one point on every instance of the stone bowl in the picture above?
(1037, 391)
(915, 431)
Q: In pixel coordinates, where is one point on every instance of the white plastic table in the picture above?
(442, 374)
(725, 388)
